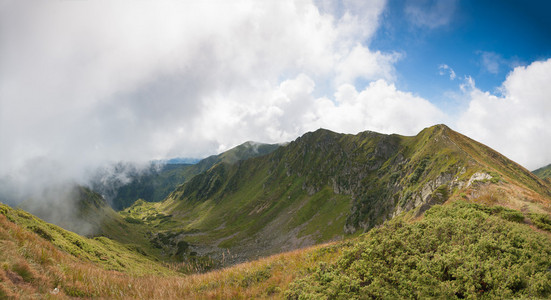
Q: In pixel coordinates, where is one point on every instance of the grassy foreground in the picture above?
(460, 250)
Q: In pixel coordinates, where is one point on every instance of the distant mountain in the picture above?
(178, 161)
(125, 184)
(242, 152)
(325, 186)
(544, 172)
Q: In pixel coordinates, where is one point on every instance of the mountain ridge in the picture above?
(324, 186)
(350, 183)
(156, 182)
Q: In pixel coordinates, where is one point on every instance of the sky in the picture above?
(84, 83)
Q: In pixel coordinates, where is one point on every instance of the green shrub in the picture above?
(512, 215)
(256, 277)
(420, 169)
(4, 209)
(41, 232)
(133, 220)
(541, 221)
(456, 251)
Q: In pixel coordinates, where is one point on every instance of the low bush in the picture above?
(462, 250)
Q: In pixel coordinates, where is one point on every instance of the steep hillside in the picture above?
(325, 186)
(544, 173)
(490, 238)
(461, 250)
(104, 252)
(156, 182)
(457, 251)
(86, 213)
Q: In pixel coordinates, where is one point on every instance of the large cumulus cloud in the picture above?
(516, 122)
(85, 83)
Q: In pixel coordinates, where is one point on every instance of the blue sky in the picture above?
(87, 83)
(482, 39)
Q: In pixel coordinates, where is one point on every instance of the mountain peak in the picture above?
(438, 129)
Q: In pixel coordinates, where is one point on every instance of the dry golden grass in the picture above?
(32, 268)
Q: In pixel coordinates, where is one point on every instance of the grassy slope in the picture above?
(37, 257)
(457, 251)
(113, 241)
(511, 259)
(282, 200)
(103, 251)
(155, 186)
(544, 172)
(325, 185)
(510, 170)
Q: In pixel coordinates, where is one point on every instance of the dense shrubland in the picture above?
(456, 251)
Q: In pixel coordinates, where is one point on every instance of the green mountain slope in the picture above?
(86, 213)
(103, 251)
(544, 173)
(456, 251)
(325, 186)
(491, 238)
(158, 181)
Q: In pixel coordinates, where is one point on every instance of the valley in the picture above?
(327, 215)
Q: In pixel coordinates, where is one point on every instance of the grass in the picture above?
(106, 252)
(304, 193)
(32, 265)
(461, 250)
(544, 172)
(347, 183)
(457, 250)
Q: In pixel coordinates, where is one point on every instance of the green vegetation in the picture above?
(461, 250)
(322, 187)
(157, 182)
(110, 254)
(544, 172)
(153, 185)
(347, 184)
(541, 221)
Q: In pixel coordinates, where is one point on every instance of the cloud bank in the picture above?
(87, 83)
(517, 123)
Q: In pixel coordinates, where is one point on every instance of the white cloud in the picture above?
(517, 124)
(291, 109)
(443, 68)
(361, 63)
(87, 82)
(83, 83)
(430, 13)
(379, 107)
(357, 20)
(491, 61)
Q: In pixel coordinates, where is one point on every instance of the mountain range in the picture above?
(326, 186)
(154, 182)
(258, 200)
